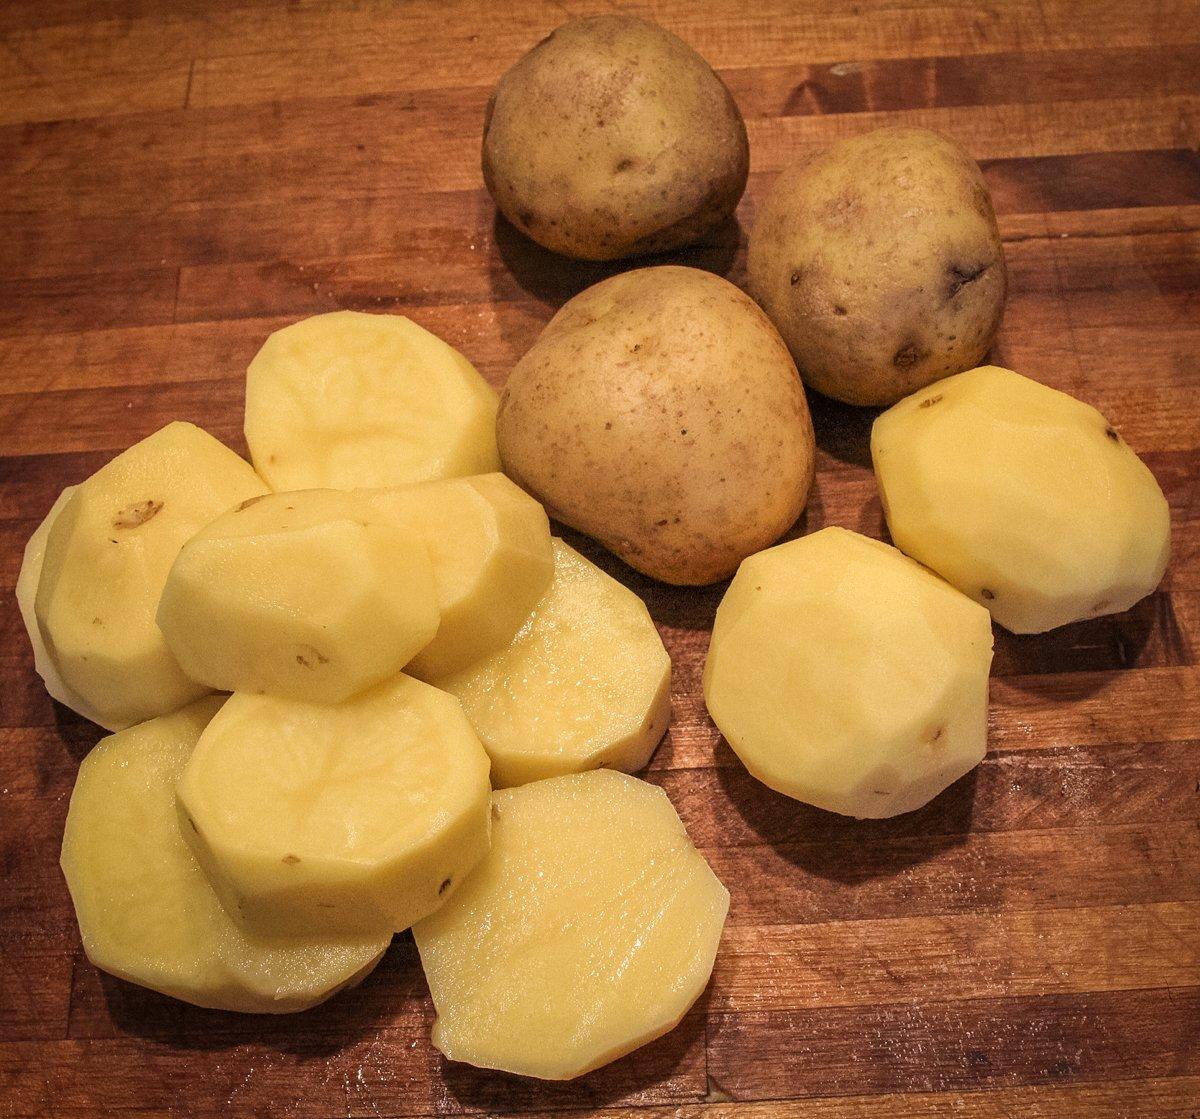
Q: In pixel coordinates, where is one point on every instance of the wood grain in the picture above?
(178, 179)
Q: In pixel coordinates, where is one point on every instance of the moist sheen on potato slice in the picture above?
(489, 543)
(847, 676)
(27, 585)
(585, 682)
(146, 911)
(310, 595)
(106, 560)
(358, 816)
(1026, 499)
(347, 400)
(589, 930)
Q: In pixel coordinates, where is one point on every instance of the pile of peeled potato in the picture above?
(358, 687)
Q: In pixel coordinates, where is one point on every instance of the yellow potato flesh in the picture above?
(307, 595)
(360, 816)
(489, 543)
(146, 911)
(1023, 497)
(589, 929)
(348, 400)
(106, 560)
(27, 585)
(847, 676)
(585, 682)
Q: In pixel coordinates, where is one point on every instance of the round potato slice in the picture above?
(27, 585)
(106, 560)
(585, 682)
(489, 542)
(348, 400)
(310, 595)
(589, 930)
(849, 677)
(146, 911)
(358, 817)
(1023, 497)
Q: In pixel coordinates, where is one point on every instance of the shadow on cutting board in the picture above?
(553, 279)
(839, 848)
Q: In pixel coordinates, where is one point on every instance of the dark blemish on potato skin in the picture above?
(1112, 434)
(291, 860)
(251, 501)
(1103, 604)
(495, 813)
(937, 734)
(929, 402)
(988, 594)
(624, 165)
(840, 310)
(907, 356)
(136, 515)
(307, 659)
(444, 887)
(795, 279)
(526, 218)
(960, 277)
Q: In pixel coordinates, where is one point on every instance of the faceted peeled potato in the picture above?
(847, 676)
(358, 817)
(492, 561)
(588, 930)
(348, 400)
(585, 682)
(1023, 497)
(146, 911)
(310, 595)
(107, 557)
(27, 585)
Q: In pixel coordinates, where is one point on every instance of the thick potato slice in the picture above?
(349, 400)
(146, 911)
(358, 817)
(27, 585)
(847, 676)
(492, 562)
(311, 595)
(589, 929)
(1023, 497)
(585, 682)
(106, 560)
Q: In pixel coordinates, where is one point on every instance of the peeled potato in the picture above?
(107, 557)
(585, 682)
(356, 817)
(1023, 497)
(311, 595)
(589, 930)
(27, 585)
(489, 542)
(849, 677)
(348, 400)
(146, 911)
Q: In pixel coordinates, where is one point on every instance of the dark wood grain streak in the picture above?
(177, 180)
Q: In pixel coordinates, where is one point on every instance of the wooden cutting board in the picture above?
(179, 178)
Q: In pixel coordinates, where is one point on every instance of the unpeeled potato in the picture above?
(659, 412)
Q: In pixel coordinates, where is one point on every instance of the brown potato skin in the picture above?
(660, 413)
(879, 260)
(613, 138)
